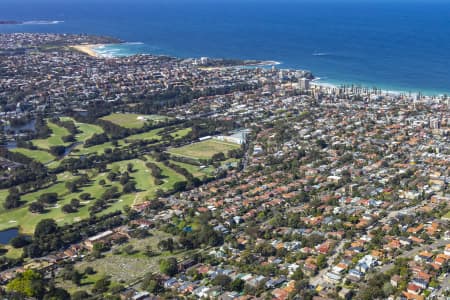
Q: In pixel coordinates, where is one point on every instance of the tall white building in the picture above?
(304, 83)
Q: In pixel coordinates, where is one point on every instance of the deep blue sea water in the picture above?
(394, 45)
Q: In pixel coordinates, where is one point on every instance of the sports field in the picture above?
(133, 120)
(203, 150)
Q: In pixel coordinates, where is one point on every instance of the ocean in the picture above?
(395, 45)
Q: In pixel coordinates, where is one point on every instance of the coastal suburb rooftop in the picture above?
(146, 176)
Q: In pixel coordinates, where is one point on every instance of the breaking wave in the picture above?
(42, 22)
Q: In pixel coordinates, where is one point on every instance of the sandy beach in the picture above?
(88, 49)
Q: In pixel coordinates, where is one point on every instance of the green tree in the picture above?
(57, 294)
(101, 285)
(169, 266)
(49, 198)
(152, 283)
(75, 203)
(130, 167)
(218, 156)
(179, 186)
(85, 196)
(298, 274)
(388, 289)
(12, 200)
(36, 207)
(67, 209)
(71, 186)
(321, 261)
(129, 187)
(76, 277)
(167, 245)
(19, 241)
(222, 280)
(28, 283)
(237, 285)
(45, 227)
(116, 289)
(80, 295)
(101, 247)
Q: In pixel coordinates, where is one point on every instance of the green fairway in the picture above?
(145, 181)
(87, 130)
(54, 164)
(203, 150)
(196, 171)
(155, 134)
(146, 189)
(57, 187)
(38, 155)
(3, 194)
(149, 135)
(181, 133)
(55, 139)
(133, 120)
(171, 176)
(27, 220)
(97, 149)
(13, 252)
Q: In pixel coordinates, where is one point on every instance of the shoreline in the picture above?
(327, 85)
(385, 91)
(265, 63)
(262, 64)
(88, 49)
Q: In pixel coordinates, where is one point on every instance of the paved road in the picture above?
(406, 210)
(439, 294)
(411, 253)
(319, 278)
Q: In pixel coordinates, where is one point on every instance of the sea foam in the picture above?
(42, 22)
